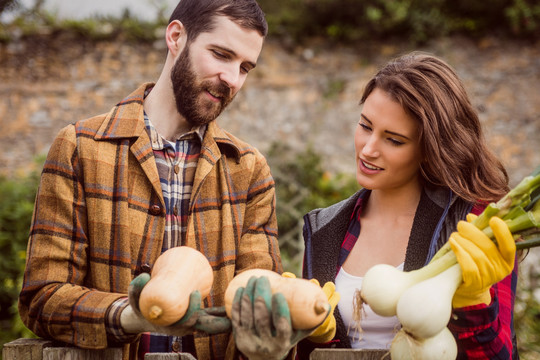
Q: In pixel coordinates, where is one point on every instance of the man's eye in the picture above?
(219, 54)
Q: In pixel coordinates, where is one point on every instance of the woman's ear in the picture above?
(175, 37)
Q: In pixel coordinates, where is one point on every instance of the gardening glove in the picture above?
(261, 322)
(327, 330)
(483, 263)
(210, 320)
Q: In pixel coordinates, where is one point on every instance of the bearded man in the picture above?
(153, 173)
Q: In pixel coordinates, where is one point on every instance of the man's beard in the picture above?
(187, 93)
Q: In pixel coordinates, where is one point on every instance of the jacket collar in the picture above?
(126, 120)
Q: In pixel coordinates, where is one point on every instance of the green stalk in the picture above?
(520, 208)
(529, 243)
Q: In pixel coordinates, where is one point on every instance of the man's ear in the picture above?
(176, 37)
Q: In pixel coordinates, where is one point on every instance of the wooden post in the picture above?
(73, 353)
(39, 349)
(349, 354)
(21, 349)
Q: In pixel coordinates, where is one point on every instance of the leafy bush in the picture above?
(301, 186)
(18, 195)
(416, 21)
(527, 307)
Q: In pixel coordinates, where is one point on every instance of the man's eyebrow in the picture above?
(233, 53)
(386, 131)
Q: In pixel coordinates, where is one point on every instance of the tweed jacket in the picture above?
(99, 221)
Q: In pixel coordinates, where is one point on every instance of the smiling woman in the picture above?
(388, 153)
(423, 165)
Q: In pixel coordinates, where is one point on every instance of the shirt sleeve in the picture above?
(112, 322)
(487, 331)
(55, 302)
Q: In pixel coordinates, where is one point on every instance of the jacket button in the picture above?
(146, 268)
(155, 209)
(176, 346)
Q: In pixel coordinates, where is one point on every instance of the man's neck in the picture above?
(161, 109)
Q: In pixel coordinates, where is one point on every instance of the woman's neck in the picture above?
(394, 203)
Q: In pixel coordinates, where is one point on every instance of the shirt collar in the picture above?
(159, 143)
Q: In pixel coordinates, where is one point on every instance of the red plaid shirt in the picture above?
(481, 331)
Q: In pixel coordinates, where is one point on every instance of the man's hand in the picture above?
(483, 263)
(210, 321)
(261, 322)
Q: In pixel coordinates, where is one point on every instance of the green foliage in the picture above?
(416, 21)
(96, 28)
(412, 20)
(524, 18)
(6, 5)
(16, 208)
(527, 307)
(301, 186)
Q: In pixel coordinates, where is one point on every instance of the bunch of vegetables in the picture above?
(422, 299)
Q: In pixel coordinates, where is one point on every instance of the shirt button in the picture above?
(176, 169)
(146, 268)
(176, 346)
(155, 209)
(175, 210)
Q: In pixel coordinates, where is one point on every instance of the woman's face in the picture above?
(387, 145)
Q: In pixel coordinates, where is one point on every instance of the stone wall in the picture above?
(298, 95)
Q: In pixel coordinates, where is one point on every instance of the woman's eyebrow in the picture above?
(386, 131)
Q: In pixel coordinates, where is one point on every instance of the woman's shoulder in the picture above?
(321, 216)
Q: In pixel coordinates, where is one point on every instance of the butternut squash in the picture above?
(307, 302)
(176, 274)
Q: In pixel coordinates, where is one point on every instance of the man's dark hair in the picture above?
(198, 15)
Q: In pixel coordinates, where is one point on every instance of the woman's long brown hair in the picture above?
(455, 153)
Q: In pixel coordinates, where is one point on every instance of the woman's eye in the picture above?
(365, 127)
(395, 142)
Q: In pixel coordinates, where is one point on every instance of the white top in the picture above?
(377, 331)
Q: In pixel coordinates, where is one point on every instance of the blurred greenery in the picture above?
(18, 195)
(302, 185)
(415, 21)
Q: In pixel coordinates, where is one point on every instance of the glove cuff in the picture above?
(131, 323)
(324, 333)
(459, 301)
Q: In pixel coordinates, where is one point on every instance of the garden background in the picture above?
(299, 107)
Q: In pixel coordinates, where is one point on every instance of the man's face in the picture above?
(210, 71)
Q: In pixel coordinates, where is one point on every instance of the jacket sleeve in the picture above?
(54, 302)
(259, 246)
(487, 331)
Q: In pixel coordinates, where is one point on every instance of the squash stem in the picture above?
(155, 312)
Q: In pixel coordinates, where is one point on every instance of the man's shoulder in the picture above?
(231, 144)
(90, 124)
(120, 120)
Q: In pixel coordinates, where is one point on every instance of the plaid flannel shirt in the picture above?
(481, 331)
